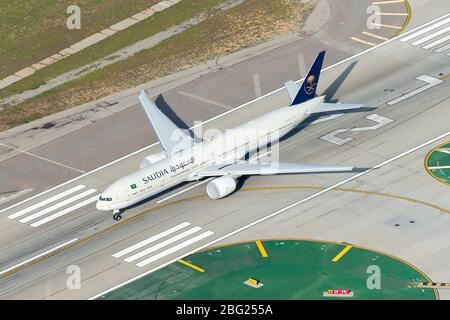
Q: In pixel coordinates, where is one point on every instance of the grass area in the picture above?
(440, 159)
(35, 29)
(294, 269)
(223, 32)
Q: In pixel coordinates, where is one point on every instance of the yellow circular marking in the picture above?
(425, 162)
(204, 196)
(436, 292)
(408, 19)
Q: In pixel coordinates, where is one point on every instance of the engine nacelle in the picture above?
(221, 187)
(154, 158)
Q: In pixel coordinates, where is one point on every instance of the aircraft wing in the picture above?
(172, 138)
(254, 168)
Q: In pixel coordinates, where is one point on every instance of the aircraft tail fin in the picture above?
(308, 88)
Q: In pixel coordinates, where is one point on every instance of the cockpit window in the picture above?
(105, 199)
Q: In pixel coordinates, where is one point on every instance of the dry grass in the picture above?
(223, 32)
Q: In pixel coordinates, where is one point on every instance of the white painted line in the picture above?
(163, 244)
(431, 36)
(425, 30)
(57, 206)
(444, 150)
(313, 196)
(437, 42)
(431, 83)
(175, 248)
(442, 49)
(439, 168)
(65, 211)
(38, 256)
(389, 26)
(388, 2)
(150, 240)
(46, 201)
(228, 112)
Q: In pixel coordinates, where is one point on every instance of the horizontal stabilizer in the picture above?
(329, 107)
(256, 168)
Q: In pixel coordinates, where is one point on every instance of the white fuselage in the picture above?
(225, 148)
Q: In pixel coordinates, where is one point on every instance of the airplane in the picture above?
(222, 157)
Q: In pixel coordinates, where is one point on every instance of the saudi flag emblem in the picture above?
(133, 186)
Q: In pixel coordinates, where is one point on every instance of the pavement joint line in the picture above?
(277, 212)
(190, 265)
(363, 41)
(228, 112)
(342, 253)
(196, 97)
(42, 158)
(261, 248)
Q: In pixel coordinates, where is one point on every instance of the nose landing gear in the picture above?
(117, 215)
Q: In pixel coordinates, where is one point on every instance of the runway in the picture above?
(404, 84)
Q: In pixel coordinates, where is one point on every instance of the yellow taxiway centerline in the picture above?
(190, 265)
(261, 249)
(342, 253)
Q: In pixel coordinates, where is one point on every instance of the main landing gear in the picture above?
(117, 215)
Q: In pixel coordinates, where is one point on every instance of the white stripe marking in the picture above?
(230, 111)
(162, 244)
(272, 215)
(175, 248)
(46, 201)
(150, 240)
(432, 27)
(38, 256)
(430, 36)
(431, 83)
(444, 48)
(438, 168)
(437, 42)
(65, 211)
(57, 206)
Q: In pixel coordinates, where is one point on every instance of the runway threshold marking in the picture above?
(342, 253)
(132, 218)
(226, 112)
(279, 211)
(261, 248)
(190, 265)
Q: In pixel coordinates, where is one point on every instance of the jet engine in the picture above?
(221, 187)
(152, 159)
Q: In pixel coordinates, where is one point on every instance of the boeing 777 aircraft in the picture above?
(185, 159)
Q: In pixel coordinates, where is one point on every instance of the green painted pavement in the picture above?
(294, 269)
(438, 158)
